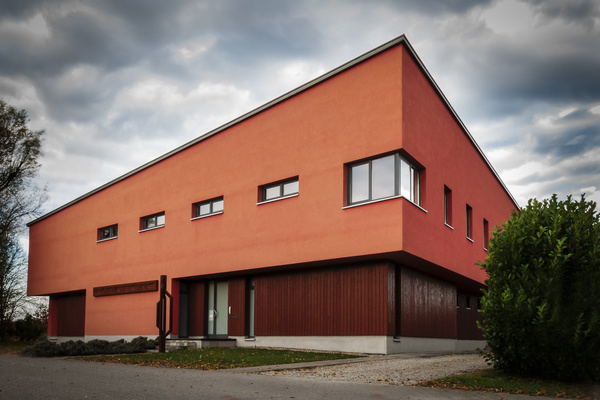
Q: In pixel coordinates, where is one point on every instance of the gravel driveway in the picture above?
(399, 369)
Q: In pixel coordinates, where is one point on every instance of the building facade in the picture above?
(347, 214)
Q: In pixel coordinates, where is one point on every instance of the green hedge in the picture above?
(93, 347)
(542, 304)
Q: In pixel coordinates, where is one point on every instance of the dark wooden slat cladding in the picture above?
(196, 308)
(427, 306)
(236, 325)
(70, 314)
(466, 318)
(344, 300)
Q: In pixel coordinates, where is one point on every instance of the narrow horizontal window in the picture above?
(152, 221)
(108, 232)
(382, 177)
(278, 190)
(208, 207)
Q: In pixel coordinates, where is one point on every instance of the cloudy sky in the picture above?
(116, 83)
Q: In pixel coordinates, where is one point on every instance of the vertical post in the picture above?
(161, 314)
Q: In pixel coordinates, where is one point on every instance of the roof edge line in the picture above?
(394, 42)
(349, 64)
(421, 65)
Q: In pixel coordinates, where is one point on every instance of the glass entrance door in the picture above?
(217, 308)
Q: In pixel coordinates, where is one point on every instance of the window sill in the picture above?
(207, 215)
(106, 240)
(277, 199)
(151, 229)
(449, 226)
(470, 240)
(384, 199)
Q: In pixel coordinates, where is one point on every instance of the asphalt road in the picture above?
(62, 379)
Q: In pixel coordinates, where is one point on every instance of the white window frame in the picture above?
(399, 161)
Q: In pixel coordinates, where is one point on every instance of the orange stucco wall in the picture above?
(382, 104)
(357, 114)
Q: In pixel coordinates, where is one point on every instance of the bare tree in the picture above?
(13, 293)
(20, 199)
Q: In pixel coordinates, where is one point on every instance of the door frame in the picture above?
(214, 305)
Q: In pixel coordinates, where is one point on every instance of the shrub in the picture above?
(93, 347)
(542, 304)
(29, 328)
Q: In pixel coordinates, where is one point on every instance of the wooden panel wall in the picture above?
(196, 308)
(427, 306)
(466, 319)
(236, 326)
(70, 314)
(344, 300)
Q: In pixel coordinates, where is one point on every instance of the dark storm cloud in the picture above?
(431, 7)
(20, 8)
(513, 76)
(581, 11)
(572, 135)
(114, 35)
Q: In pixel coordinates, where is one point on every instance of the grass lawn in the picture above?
(218, 358)
(497, 381)
(14, 347)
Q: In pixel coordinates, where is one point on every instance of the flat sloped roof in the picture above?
(400, 40)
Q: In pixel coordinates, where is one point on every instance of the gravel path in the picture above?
(395, 370)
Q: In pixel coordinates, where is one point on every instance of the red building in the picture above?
(347, 214)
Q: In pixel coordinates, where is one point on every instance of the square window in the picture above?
(290, 188)
(272, 192)
(383, 177)
(107, 232)
(152, 221)
(208, 207)
(279, 190)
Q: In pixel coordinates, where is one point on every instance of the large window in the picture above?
(279, 190)
(383, 177)
(208, 207)
(152, 221)
(108, 232)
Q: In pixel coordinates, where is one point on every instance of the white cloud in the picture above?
(195, 48)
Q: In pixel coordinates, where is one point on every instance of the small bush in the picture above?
(542, 304)
(93, 347)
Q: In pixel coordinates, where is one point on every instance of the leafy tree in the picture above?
(542, 304)
(20, 148)
(29, 328)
